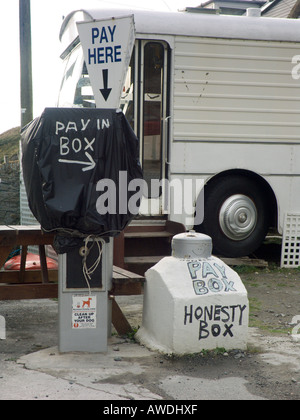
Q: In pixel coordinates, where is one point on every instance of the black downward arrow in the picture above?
(105, 91)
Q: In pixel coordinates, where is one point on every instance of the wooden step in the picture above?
(144, 259)
(143, 243)
(254, 262)
(155, 226)
(148, 234)
(141, 264)
(229, 261)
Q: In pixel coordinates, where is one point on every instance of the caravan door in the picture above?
(145, 104)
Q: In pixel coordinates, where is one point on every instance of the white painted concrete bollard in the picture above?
(193, 301)
(2, 328)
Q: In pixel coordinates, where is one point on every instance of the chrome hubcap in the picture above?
(238, 217)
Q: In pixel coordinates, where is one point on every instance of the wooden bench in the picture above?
(25, 284)
(124, 283)
(43, 283)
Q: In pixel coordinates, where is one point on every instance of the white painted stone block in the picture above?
(295, 331)
(2, 328)
(193, 303)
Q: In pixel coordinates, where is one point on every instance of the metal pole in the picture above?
(25, 62)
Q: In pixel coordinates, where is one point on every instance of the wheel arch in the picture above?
(261, 183)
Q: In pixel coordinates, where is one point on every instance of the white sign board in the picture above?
(107, 47)
(84, 309)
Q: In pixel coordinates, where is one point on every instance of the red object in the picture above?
(151, 128)
(32, 263)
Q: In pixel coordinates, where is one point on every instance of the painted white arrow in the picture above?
(89, 165)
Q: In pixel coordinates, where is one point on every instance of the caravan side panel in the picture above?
(236, 105)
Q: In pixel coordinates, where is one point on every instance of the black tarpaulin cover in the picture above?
(66, 151)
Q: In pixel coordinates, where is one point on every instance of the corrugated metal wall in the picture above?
(235, 90)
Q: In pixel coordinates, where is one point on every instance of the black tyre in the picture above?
(235, 215)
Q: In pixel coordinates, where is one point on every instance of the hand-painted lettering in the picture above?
(214, 313)
(199, 287)
(221, 269)
(80, 145)
(207, 269)
(215, 320)
(71, 125)
(215, 285)
(215, 330)
(193, 268)
(209, 277)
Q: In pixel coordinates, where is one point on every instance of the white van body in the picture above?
(228, 114)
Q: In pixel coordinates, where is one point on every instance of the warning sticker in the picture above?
(84, 311)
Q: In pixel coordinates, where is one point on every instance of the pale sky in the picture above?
(46, 19)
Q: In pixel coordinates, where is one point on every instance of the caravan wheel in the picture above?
(235, 215)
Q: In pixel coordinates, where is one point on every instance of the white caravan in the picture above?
(213, 99)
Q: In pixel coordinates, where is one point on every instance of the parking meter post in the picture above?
(84, 307)
(67, 154)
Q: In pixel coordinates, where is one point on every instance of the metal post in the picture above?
(25, 62)
(84, 313)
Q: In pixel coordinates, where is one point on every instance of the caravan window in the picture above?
(71, 77)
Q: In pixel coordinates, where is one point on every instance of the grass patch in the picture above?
(245, 269)
(132, 333)
(270, 329)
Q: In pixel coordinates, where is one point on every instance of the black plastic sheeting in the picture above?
(66, 152)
